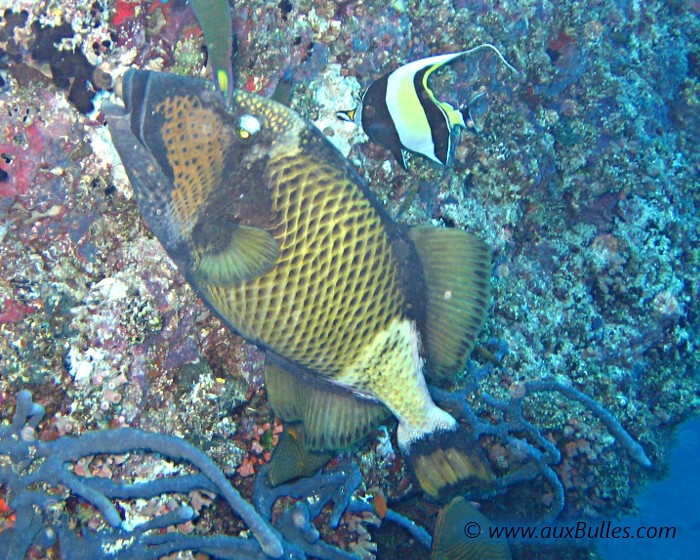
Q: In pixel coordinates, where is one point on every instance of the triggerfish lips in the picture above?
(283, 240)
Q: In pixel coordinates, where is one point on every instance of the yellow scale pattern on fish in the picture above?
(326, 229)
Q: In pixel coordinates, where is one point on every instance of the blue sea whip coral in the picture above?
(33, 462)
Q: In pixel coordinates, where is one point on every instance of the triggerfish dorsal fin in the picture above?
(457, 268)
(292, 458)
(462, 533)
(229, 253)
(216, 20)
(333, 418)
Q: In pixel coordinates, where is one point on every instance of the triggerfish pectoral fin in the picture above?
(216, 21)
(462, 533)
(229, 253)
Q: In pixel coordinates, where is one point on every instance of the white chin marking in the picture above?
(440, 421)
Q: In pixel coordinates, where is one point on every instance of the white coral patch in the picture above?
(332, 93)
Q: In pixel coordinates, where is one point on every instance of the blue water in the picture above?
(674, 501)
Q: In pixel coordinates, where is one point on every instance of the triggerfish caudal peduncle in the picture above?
(283, 240)
(401, 112)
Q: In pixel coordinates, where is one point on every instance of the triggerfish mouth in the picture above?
(283, 240)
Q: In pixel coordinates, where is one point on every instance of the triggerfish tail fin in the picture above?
(292, 458)
(216, 21)
(462, 533)
(457, 268)
(333, 417)
(447, 461)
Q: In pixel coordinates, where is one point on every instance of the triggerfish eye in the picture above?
(247, 126)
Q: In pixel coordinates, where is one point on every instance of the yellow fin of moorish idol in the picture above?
(333, 417)
(292, 458)
(462, 533)
(230, 253)
(456, 267)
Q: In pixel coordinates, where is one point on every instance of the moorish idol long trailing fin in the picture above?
(400, 111)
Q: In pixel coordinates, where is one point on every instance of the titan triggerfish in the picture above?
(283, 240)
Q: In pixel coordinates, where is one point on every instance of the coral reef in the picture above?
(33, 462)
(533, 454)
(582, 178)
(33, 471)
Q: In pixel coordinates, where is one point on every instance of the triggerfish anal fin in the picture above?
(316, 418)
(457, 268)
(462, 533)
(334, 418)
(216, 21)
(401, 112)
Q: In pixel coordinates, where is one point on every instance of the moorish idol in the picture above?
(400, 111)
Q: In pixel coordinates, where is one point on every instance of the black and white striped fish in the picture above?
(401, 112)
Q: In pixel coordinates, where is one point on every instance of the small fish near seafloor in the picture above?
(280, 236)
(400, 111)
